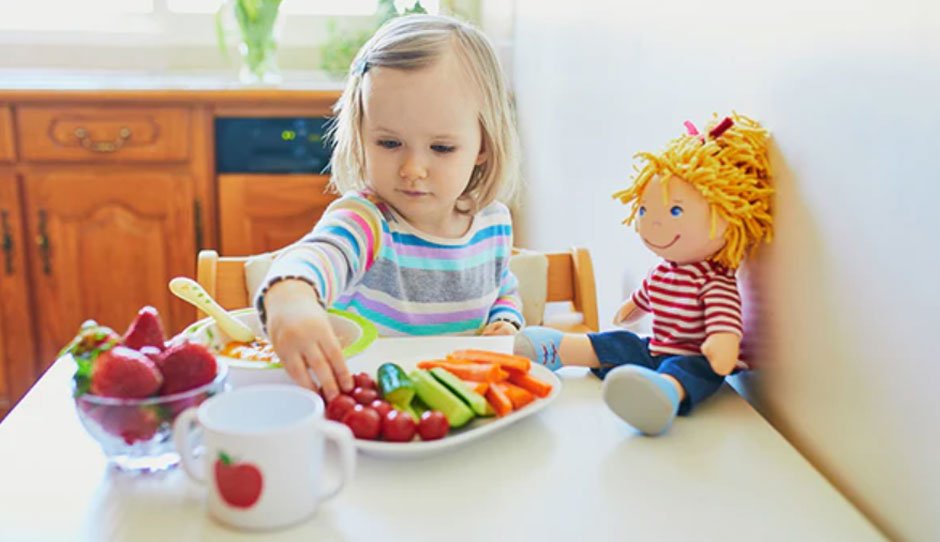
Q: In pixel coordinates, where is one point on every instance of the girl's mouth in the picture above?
(662, 246)
(413, 193)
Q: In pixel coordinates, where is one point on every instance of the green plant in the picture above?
(255, 20)
(341, 45)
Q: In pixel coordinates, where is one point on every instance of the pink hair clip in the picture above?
(690, 128)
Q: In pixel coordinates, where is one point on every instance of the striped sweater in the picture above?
(365, 258)
(689, 302)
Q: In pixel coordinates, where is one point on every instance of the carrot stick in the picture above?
(468, 371)
(529, 382)
(509, 362)
(519, 396)
(499, 401)
(479, 387)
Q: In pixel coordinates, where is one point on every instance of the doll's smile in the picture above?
(661, 247)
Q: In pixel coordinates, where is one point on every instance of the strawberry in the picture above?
(145, 330)
(185, 366)
(131, 423)
(92, 339)
(126, 373)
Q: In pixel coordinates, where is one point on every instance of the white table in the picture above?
(571, 472)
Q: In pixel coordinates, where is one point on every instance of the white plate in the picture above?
(407, 352)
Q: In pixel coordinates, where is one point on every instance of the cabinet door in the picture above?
(261, 213)
(17, 345)
(106, 243)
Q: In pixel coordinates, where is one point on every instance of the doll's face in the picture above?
(676, 229)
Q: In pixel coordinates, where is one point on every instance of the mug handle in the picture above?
(345, 443)
(181, 431)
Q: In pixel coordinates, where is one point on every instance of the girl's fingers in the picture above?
(334, 356)
(297, 369)
(316, 360)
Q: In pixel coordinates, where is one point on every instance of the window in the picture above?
(98, 15)
(161, 35)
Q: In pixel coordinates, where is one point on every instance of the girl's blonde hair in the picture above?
(730, 168)
(413, 42)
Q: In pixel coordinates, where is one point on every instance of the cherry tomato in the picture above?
(364, 396)
(398, 426)
(433, 425)
(380, 406)
(363, 380)
(339, 406)
(364, 422)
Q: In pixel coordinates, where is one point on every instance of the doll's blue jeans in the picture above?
(622, 347)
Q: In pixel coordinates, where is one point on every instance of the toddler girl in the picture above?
(424, 143)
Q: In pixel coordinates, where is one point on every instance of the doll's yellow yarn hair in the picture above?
(732, 172)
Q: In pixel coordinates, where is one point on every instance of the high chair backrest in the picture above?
(569, 278)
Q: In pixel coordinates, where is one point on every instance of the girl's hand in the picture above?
(303, 339)
(499, 328)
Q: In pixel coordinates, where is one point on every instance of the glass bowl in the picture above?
(137, 434)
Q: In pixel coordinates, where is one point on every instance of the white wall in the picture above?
(848, 294)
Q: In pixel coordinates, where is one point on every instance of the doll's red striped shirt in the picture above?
(689, 302)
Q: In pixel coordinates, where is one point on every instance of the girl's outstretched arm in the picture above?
(308, 277)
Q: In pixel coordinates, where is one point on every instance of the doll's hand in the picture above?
(721, 350)
(303, 339)
(628, 313)
(499, 328)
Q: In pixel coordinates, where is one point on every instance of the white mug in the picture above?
(263, 451)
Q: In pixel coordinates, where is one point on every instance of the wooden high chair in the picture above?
(570, 279)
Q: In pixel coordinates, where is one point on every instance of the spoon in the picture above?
(190, 290)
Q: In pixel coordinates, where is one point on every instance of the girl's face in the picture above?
(422, 139)
(678, 229)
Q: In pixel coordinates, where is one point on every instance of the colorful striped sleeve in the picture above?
(508, 305)
(335, 255)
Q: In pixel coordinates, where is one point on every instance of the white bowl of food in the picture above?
(256, 362)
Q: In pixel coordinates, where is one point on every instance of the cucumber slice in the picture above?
(474, 400)
(438, 397)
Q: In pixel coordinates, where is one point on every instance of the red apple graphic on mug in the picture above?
(239, 484)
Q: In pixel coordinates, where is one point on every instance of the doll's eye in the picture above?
(642, 211)
(675, 211)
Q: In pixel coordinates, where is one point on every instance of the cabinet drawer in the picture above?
(138, 134)
(6, 135)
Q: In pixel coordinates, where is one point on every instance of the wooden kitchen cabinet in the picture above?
(7, 153)
(107, 193)
(17, 341)
(103, 134)
(106, 244)
(262, 213)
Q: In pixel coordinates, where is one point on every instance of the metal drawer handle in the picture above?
(7, 243)
(45, 247)
(102, 146)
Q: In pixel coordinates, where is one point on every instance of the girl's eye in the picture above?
(675, 211)
(642, 210)
(389, 144)
(443, 148)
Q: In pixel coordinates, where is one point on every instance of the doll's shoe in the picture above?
(642, 398)
(539, 344)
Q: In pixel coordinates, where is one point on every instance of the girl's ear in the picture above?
(483, 155)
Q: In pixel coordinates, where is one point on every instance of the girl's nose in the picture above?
(412, 169)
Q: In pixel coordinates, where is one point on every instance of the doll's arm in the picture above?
(628, 313)
(721, 350)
